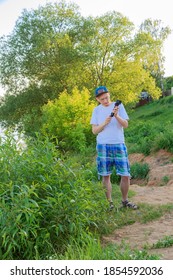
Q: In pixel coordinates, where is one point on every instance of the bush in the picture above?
(43, 202)
(139, 170)
(67, 119)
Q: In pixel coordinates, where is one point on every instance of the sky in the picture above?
(136, 10)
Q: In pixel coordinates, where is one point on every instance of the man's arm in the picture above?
(122, 121)
(98, 128)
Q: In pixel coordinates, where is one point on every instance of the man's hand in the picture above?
(115, 111)
(107, 121)
(98, 128)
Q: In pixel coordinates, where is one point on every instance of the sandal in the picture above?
(111, 206)
(129, 204)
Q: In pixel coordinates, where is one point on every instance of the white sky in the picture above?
(136, 10)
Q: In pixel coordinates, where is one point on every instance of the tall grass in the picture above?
(92, 249)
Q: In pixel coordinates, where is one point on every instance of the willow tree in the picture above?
(41, 48)
(38, 59)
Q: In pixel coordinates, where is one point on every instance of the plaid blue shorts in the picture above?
(110, 156)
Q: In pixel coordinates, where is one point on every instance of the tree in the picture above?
(37, 60)
(54, 48)
(155, 35)
(41, 51)
(114, 58)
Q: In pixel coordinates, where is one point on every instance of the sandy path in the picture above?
(154, 191)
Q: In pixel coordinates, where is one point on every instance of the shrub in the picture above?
(43, 202)
(68, 120)
(139, 170)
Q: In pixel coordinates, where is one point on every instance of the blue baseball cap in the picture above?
(100, 90)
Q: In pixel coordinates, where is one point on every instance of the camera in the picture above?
(117, 103)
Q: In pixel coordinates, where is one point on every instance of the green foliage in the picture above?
(169, 82)
(166, 101)
(41, 44)
(43, 202)
(141, 133)
(23, 109)
(165, 180)
(68, 120)
(53, 207)
(42, 49)
(139, 170)
(153, 30)
(91, 249)
(165, 242)
(164, 141)
(54, 48)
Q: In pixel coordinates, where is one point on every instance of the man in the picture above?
(111, 148)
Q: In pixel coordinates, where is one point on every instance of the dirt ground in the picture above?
(158, 189)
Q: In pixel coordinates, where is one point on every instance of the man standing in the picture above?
(108, 123)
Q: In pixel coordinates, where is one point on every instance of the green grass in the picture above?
(94, 250)
(165, 242)
(151, 127)
(156, 111)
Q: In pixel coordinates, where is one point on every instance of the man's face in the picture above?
(104, 99)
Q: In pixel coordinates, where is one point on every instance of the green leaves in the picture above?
(139, 170)
(54, 48)
(68, 119)
(43, 202)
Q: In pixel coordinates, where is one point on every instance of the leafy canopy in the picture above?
(54, 48)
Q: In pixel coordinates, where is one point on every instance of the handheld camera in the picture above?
(117, 103)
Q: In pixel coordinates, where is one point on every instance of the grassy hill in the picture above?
(151, 127)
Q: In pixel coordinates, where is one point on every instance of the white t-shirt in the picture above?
(113, 133)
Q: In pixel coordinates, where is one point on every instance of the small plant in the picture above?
(165, 242)
(165, 180)
(139, 170)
